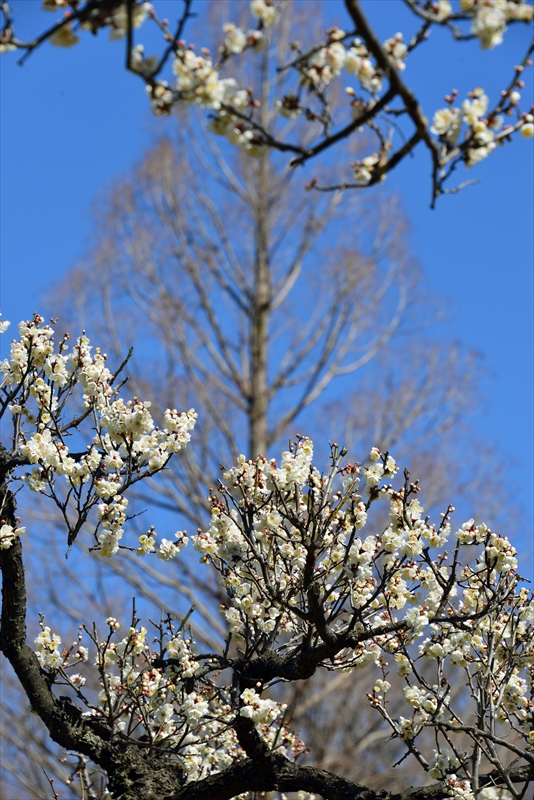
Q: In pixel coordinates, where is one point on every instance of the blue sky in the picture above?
(72, 121)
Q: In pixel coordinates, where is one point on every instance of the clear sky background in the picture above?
(72, 121)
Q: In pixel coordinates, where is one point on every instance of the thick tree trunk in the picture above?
(261, 302)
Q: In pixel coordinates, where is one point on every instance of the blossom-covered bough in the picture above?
(379, 101)
(310, 583)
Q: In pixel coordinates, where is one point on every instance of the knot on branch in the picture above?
(270, 665)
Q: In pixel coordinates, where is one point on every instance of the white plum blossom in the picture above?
(443, 10)
(396, 50)
(447, 123)
(324, 64)
(358, 63)
(416, 620)
(8, 535)
(235, 39)
(489, 25)
(382, 686)
(474, 109)
(363, 172)
(64, 36)
(146, 544)
(265, 10)
(118, 21)
(374, 474)
(258, 710)
(168, 549)
(458, 789)
(127, 422)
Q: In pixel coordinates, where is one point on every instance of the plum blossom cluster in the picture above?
(485, 129)
(269, 561)
(304, 77)
(490, 18)
(324, 64)
(198, 79)
(158, 689)
(116, 21)
(310, 582)
(287, 543)
(47, 648)
(40, 386)
(260, 711)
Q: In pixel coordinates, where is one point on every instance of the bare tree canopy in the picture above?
(305, 116)
(260, 303)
